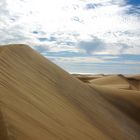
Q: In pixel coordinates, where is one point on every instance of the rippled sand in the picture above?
(40, 101)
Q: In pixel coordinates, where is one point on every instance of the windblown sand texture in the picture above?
(40, 101)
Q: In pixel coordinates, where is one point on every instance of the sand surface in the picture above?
(40, 101)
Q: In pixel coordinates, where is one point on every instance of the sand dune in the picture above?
(135, 84)
(134, 80)
(87, 78)
(116, 81)
(127, 100)
(136, 76)
(40, 101)
(122, 91)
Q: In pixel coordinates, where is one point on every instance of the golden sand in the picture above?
(40, 101)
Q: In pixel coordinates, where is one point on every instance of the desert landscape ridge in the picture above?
(41, 101)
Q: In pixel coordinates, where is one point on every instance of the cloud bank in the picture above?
(84, 27)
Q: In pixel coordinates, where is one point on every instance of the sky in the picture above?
(81, 36)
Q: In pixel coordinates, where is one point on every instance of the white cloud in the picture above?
(85, 59)
(76, 21)
(77, 59)
(131, 62)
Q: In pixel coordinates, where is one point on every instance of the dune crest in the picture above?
(40, 101)
(116, 81)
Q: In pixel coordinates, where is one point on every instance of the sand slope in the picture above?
(87, 78)
(136, 77)
(134, 80)
(116, 81)
(127, 101)
(40, 101)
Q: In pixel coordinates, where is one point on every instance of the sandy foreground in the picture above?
(40, 101)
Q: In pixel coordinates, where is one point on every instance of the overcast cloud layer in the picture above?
(87, 36)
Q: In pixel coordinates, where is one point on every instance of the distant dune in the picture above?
(115, 81)
(40, 101)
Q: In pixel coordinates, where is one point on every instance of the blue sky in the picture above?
(134, 2)
(81, 36)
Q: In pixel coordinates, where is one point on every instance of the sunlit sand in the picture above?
(41, 101)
